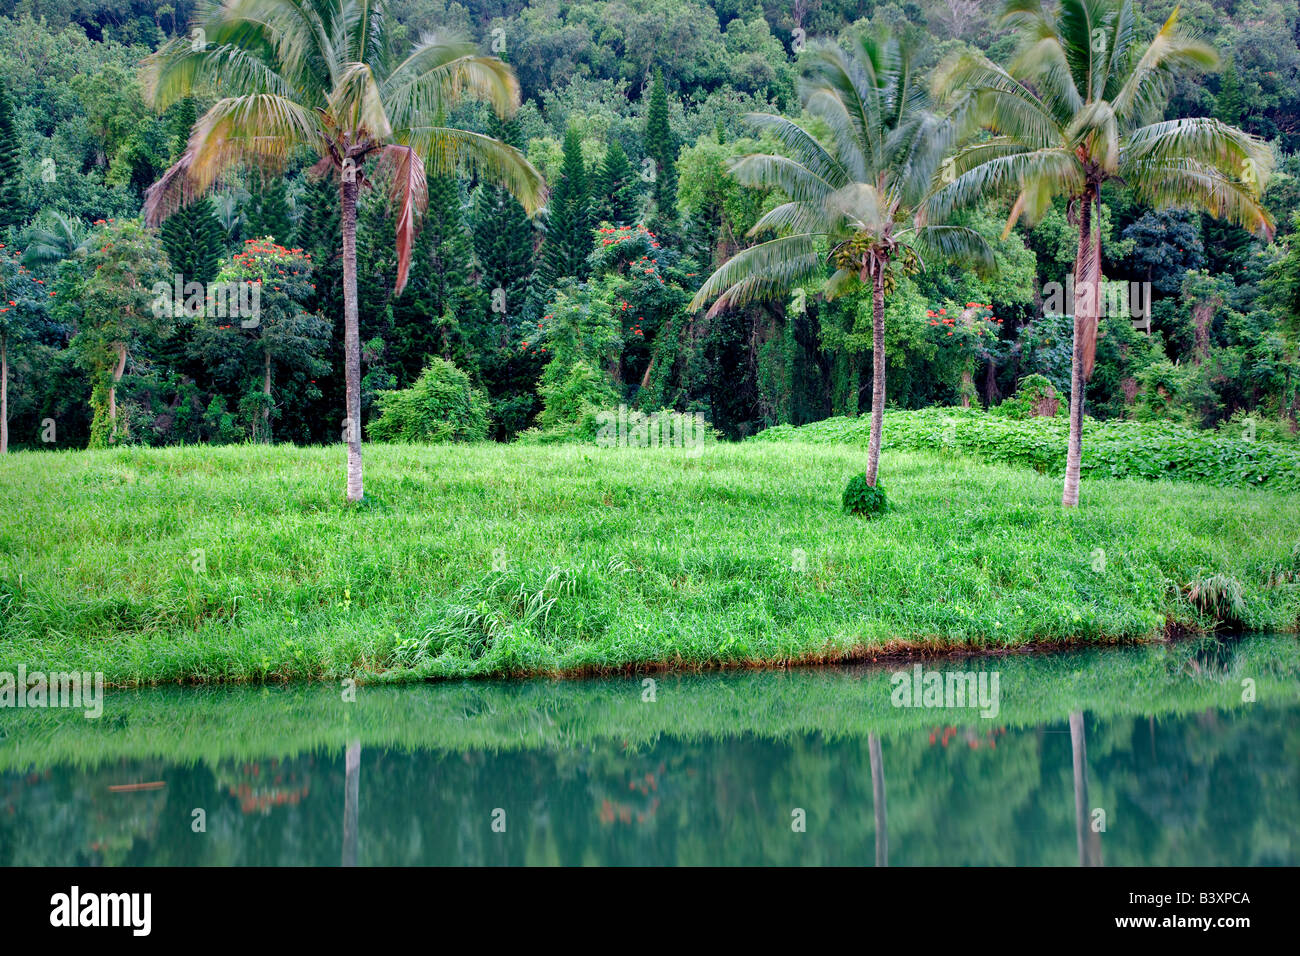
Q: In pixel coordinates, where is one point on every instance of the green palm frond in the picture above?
(1002, 102)
(791, 217)
(958, 243)
(792, 178)
(1123, 38)
(1046, 62)
(438, 75)
(848, 86)
(62, 239)
(764, 271)
(801, 147)
(1189, 184)
(1051, 142)
(355, 104)
(999, 175)
(1204, 140)
(1145, 92)
(1095, 129)
(448, 151)
(177, 71)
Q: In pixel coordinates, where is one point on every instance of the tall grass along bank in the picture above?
(244, 564)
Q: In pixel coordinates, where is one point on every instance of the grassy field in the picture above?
(243, 563)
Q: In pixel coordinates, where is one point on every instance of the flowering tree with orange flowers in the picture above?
(245, 351)
(967, 336)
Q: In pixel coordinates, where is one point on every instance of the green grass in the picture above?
(608, 559)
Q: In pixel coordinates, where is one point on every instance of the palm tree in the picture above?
(323, 74)
(1082, 105)
(856, 200)
(61, 239)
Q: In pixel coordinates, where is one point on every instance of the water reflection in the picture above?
(1155, 745)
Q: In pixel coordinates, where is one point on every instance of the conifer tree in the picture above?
(427, 317)
(568, 232)
(614, 190)
(503, 236)
(11, 212)
(1230, 105)
(194, 240)
(267, 211)
(182, 121)
(661, 146)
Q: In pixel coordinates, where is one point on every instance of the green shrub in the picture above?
(1254, 425)
(861, 498)
(440, 406)
(1031, 390)
(572, 397)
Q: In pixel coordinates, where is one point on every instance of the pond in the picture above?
(1179, 754)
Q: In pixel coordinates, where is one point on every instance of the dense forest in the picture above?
(513, 326)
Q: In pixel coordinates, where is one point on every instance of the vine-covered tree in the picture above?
(109, 298)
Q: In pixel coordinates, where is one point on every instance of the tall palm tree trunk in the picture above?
(351, 337)
(1086, 294)
(877, 374)
(4, 394)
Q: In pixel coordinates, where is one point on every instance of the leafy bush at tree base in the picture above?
(861, 498)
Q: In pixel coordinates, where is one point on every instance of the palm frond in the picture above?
(801, 147)
(260, 129)
(1205, 140)
(408, 198)
(956, 243)
(1003, 103)
(1189, 184)
(765, 170)
(1146, 90)
(447, 151)
(1058, 170)
(764, 271)
(356, 105)
(1096, 131)
(438, 75)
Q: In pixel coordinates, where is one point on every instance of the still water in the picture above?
(1187, 754)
